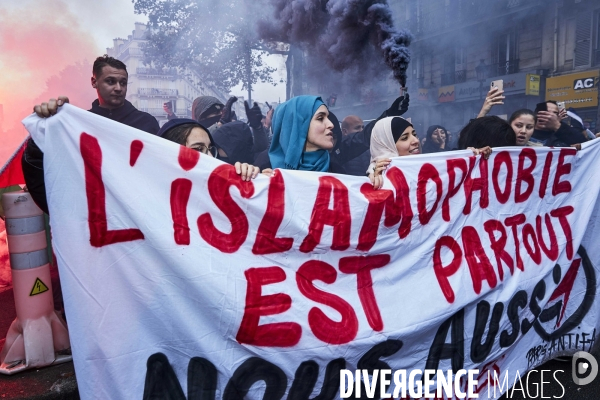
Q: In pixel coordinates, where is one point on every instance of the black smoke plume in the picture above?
(348, 35)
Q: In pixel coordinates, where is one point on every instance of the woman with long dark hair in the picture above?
(435, 140)
(523, 123)
(487, 131)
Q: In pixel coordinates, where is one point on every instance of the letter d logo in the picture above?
(579, 369)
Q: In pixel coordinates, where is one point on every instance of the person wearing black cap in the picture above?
(190, 133)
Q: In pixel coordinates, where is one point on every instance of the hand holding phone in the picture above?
(562, 112)
(493, 98)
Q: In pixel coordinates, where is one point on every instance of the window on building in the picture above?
(449, 63)
(597, 38)
(460, 64)
(583, 36)
(506, 60)
(418, 71)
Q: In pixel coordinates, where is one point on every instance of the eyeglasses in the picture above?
(205, 150)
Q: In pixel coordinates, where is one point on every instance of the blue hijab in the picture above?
(290, 130)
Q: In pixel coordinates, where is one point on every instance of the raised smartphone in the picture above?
(499, 84)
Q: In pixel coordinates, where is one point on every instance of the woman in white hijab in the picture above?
(394, 137)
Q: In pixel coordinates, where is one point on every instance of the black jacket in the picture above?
(350, 146)
(33, 158)
(563, 137)
(128, 115)
(358, 166)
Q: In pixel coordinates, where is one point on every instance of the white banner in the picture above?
(178, 276)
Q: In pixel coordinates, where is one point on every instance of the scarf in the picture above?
(290, 130)
(383, 139)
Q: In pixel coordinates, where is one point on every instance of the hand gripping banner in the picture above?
(180, 277)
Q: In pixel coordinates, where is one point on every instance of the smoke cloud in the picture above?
(43, 50)
(348, 35)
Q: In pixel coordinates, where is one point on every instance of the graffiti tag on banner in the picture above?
(272, 287)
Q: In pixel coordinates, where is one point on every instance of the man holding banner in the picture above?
(273, 288)
(110, 82)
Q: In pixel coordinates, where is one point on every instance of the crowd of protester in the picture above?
(303, 134)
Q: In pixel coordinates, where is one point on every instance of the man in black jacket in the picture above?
(110, 81)
(550, 131)
(358, 165)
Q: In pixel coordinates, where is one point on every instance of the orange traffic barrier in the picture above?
(38, 336)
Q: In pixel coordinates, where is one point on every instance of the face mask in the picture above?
(208, 122)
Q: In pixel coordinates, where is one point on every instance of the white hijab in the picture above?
(383, 144)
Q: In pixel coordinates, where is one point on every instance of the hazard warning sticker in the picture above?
(38, 287)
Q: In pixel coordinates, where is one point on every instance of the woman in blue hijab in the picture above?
(302, 135)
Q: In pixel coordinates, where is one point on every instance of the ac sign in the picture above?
(585, 83)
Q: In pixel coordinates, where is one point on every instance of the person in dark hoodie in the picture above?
(110, 81)
(208, 111)
(235, 143)
(550, 131)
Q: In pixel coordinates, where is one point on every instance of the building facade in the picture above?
(542, 50)
(149, 88)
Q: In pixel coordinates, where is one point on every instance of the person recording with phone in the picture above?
(550, 131)
(494, 97)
